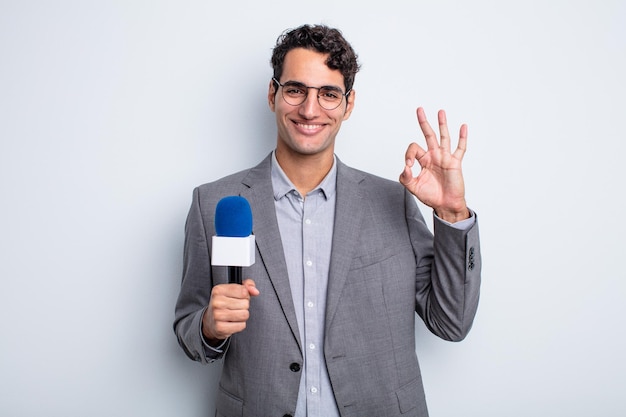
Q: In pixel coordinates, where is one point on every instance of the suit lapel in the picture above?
(260, 194)
(348, 215)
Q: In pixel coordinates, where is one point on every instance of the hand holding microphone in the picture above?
(233, 247)
(228, 310)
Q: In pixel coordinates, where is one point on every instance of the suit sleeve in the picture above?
(196, 286)
(447, 276)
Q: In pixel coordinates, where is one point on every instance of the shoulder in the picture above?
(369, 182)
(227, 181)
(234, 183)
(207, 195)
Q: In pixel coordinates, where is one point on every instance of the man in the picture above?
(324, 326)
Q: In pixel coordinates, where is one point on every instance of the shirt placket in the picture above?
(311, 314)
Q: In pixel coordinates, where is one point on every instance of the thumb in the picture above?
(406, 176)
(251, 287)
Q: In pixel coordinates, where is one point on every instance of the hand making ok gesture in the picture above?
(439, 183)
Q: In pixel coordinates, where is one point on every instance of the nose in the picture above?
(310, 107)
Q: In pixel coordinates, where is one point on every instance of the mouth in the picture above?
(308, 128)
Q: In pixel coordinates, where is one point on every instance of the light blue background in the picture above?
(112, 111)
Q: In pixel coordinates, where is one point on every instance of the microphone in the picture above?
(233, 245)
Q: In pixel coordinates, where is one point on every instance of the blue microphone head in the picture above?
(233, 217)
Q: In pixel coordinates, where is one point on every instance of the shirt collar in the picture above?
(283, 186)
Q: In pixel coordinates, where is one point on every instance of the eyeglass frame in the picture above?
(299, 84)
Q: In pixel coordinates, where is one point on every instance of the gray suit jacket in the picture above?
(385, 267)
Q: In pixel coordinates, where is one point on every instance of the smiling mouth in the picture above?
(310, 127)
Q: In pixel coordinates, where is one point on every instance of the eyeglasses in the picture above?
(295, 93)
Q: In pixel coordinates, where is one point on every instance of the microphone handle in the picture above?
(235, 275)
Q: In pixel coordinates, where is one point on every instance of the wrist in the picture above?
(205, 330)
(209, 339)
(453, 216)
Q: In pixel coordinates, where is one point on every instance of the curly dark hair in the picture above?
(322, 39)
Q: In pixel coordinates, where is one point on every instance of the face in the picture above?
(308, 129)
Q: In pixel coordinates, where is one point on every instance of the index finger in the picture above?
(413, 152)
(235, 291)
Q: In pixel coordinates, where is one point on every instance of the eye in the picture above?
(295, 90)
(331, 94)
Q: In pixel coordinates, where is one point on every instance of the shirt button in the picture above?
(308, 221)
(312, 346)
(309, 263)
(314, 390)
(310, 304)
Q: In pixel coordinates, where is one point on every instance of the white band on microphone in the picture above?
(232, 251)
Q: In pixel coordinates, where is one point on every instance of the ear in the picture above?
(350, 106)
(271, 95)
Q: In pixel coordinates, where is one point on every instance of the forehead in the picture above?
(309, 67)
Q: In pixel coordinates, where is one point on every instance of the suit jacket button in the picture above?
(294, 367)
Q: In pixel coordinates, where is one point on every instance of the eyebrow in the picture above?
(301, 84)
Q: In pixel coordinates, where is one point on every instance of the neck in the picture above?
(305, 171)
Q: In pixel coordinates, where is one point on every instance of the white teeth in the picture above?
(308, 127)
